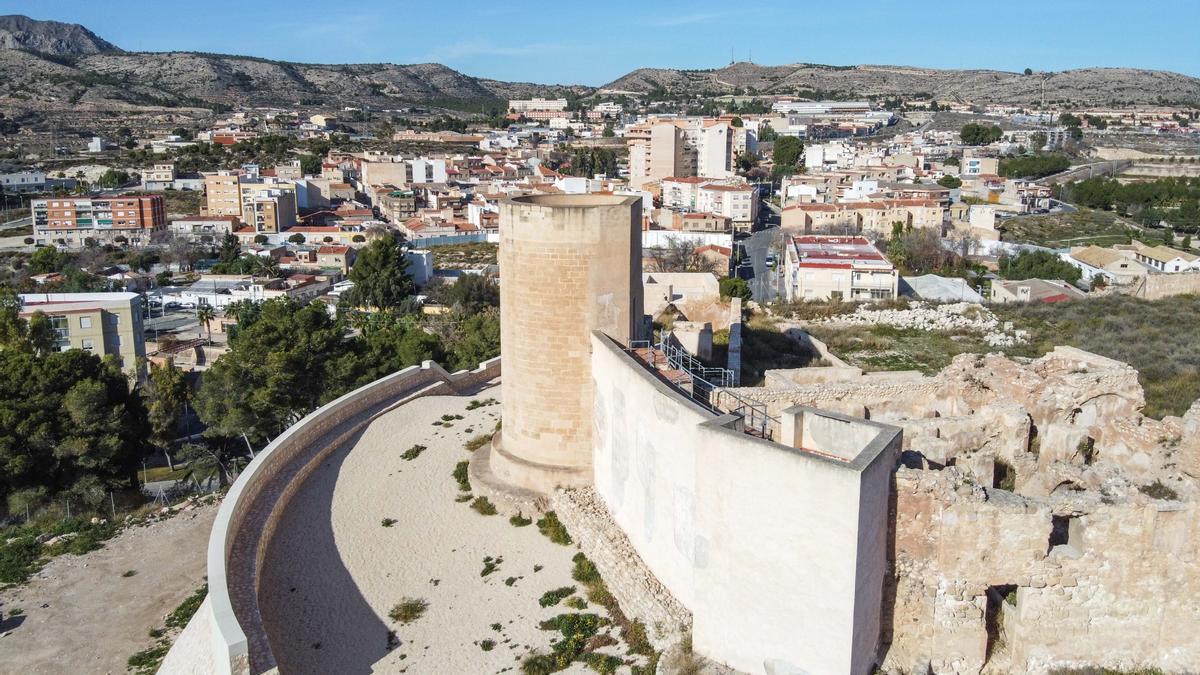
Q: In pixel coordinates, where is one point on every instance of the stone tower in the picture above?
(569, 265)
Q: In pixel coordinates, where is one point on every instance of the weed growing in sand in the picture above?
(475, 403)
(512, 580)
(576, 603)
(576, 631)
(477, 442)
(128, 573)
(388, 522)
(519, 520)
(483, 506)
(497, 627)
(551, 598)
(553, 529)
(463, 498)
(413, 453)
(408, 610)
(1157, 490)
(487, 645)
(633, 632)
(490, 565)
(460, 475)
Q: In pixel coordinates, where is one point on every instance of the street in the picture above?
(764, 284)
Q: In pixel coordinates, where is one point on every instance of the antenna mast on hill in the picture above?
(732, 59)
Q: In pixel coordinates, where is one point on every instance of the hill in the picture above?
(1083, 86)
(50, 37)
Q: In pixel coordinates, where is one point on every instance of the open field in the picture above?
(1060, 230)
(88, 613)
(1158, 338)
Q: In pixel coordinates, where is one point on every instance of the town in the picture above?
(786, 377)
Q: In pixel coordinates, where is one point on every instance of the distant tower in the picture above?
(569, 265)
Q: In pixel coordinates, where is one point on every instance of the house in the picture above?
(871, 217)
(824, 267)
(105, 324)
(1115, 266)
(335, 257)
(1034, 290)
(1166, 259)
(124, 219)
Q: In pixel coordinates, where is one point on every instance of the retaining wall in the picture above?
(237, 642)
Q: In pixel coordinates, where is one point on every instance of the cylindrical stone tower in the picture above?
(569, 265)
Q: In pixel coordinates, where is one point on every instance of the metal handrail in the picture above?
(755, 418)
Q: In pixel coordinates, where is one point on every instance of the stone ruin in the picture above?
(1038, 520)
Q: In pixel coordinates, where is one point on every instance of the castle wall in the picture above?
(761, 542)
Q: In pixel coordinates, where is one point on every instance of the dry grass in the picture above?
(1067, 229)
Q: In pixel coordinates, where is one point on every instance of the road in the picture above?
(1109, 168)
(763, 285)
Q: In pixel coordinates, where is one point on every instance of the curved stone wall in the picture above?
(226, 636)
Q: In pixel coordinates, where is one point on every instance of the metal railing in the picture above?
(706, 391)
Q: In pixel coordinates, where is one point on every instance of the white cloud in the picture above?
(688, 19)
(463, 50)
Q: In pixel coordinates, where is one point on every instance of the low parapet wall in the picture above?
(237, 642)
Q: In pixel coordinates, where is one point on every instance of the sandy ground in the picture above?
(94, 618)
(332, 571)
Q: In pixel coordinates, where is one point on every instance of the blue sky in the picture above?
(594, 43)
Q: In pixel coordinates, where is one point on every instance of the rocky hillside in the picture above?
(50, 37)
(59, 65)
(1084, 86)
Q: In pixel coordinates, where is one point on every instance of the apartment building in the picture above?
(539, 108)
(71, 221)
(205, 230)
(106, 324)
(739, 203)
(396, 206)
(223, 194)
(159, 177)
(820, 267)
(268, 209)
(686, 147)
(873, 218)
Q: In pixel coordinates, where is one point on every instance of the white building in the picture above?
(25, 180)
(821, 267)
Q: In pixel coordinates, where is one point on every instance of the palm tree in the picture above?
(205, 315)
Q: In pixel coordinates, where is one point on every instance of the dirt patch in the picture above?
(82, 614)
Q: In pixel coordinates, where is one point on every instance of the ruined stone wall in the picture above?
(1122, 593)
(640, 594)
(1156, 286)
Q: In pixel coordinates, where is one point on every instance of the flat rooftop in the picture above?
(817, 250)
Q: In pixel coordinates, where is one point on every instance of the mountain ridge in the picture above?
(54, 65)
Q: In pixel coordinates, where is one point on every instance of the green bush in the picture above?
(551, 598)
(408, 610)
(460, 475)
(553, 529)
(483, 506)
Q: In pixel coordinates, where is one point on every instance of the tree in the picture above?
(231, 249)
(216, 458)
(736, 122)
(310, 165)
(1036, 166)
(679, 255)
(1187, 242)
(113, 178)
(1029, 71)
(358, 239)
(477, 339)
(261, 239)
(980, 134)
(1038, 140)
(786, 155)
(47, 260)
(297, 238)
(735, 287)
(278, 369)
(471, 294)
(166, 395)
(205, 315)
(608, 131)
(767, 133)
(380, 276)
(949, 181)
(1037, 265)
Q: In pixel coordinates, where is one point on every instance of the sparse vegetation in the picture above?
(460, 475)
(483, 506)
(550, 526)
(477, 442)
(413, 452)
(487, 645)
(490, 565)
(408, 610)
(519, 520)
(1158, 490)
(551, 598)
(575, 630)
(388, 522)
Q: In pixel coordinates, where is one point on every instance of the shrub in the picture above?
(408, 610)
(388, 522)
(460, 475)
(477, 442)
(1157, 490)
(483, 506)
(577, 603)
(511, 580)
(553, 529)
(519, 520)
(490, 565)
(184, 612)
(551, 598)
(487, 645)
(413, 452)
(129, 573)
